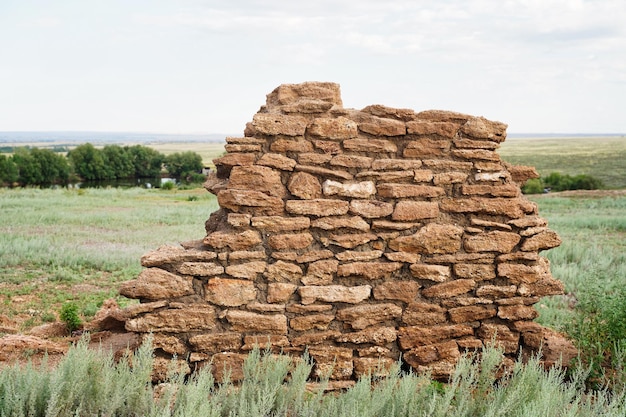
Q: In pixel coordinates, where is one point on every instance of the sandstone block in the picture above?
(312, 90)
(332, 362)
(477, 272)
(421, 148)
(351, 256)
(235, 159)
(173, 254)
(545, 286)
(239, 147)
(352, 161)
(423, 175)
(157, 284)
(334, 294)
(279, 124)
(379, 367)
(396, 164)
(481, 128)
(496, 291)
(227, 365)
(333, 128)
(362, 189)
(392, 225)
(449, 289)
(462, 143)
(327, 146)
(385, 112)
(235, 241)
(200, 269)
(471, 313)
(437, 273)
(361, 316)
(311, 322)
(320, 272)
(314, 255)
(371, 209)
(411, 258)
(291, 145)
(338, 222)
(318, 207)
(350, 240)
(386, 176)
(476, 154)
(216, 342)
(496, 241)
(169, 344)
(259, 178)
(315, 338)
(424, 355)
(415, 210)
(510, 207)
(517, 312)
(265, 341)
(419, 313)
(523, 274)
(310, 308)
(246, 255)
(432, 129)
(414, 336)
(280, 292)
(239, 219)
(447, 165)
(280, 223)
(378, 126)
(283, 271)
(305, 186)
(369, 270)
(431, 239)
(370, 145)
(247, 270)
(278, 161)
(501, 334)
(390, 190)
(194, 317)
(313, 158)
(405, 291)
(235, 199)
(380, 335)
(290, 241)
(229, 292)
(541, 241)
(500, 190)
(447, 178)
(324, 172)
(245, 321)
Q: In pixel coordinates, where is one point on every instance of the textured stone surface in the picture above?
(365, 236)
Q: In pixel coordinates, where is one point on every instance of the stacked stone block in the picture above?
(360, 236)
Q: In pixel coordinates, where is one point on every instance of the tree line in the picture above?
(34, 166)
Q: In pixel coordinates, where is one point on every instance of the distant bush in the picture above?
(182, 164)
(561, 182)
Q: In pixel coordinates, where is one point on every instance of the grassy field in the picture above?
(600, 157)
(59, 245)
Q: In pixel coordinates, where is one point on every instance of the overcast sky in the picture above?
(203, 66)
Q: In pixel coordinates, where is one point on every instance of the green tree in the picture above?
(181, 164)
(147, 162)
(8, 170)
(54, 168)
(118, 162)
(88, 162)
(29, 168)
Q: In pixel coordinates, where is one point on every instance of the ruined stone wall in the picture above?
(359, 235)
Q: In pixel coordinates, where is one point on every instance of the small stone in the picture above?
(200, 269)
(381, 335)
(348, 222)
(351, 240)
(390, 190)
(415, 210)
(369, 270)
(278, 161)
(352, 161)
(318, 207)
(415, 336)
(311, 322)
(235, 241)
(258, 178)
(424, 314)
(361, 316)
(244, 321)
(370, 145)
(363, 189)
(194, 317)
(339, 128)
(449, 289)
(371, 208)
(351, 256)
(291, 145)
(401, 164)
(405, 291)
(496, 241)
(305, 186)
(477, 272)
(239, 220)
(247, 270)
(279, 124)
(280, 292)
(541, 241)
(235, 199)
(280, 223)
(436, 273)
(431, 239)
(283, 271)
(290, 241)
(229, 292)
(324, 172)
(421, 148)
(471, 313)
(517, 312)
(334, 294)
(157, 284)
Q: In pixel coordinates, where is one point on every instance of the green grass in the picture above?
(600, 157)
(88, 383)
(59, 245)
